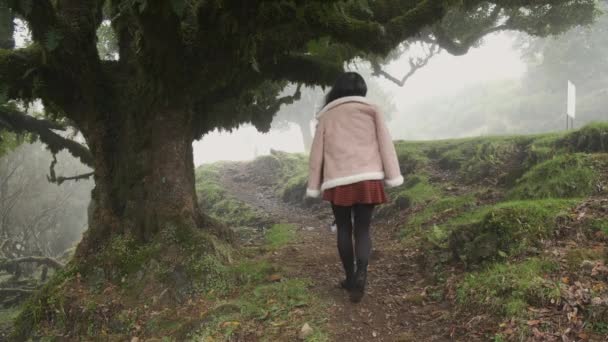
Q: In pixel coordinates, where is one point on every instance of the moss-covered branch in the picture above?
(21, 123)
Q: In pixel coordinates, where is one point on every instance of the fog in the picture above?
(495, 59)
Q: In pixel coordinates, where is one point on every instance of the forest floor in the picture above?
(396, 306)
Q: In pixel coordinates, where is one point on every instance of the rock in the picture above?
(305, 331)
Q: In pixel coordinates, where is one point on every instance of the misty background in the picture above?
(510, 84)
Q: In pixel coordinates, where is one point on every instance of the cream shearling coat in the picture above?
(351, 144)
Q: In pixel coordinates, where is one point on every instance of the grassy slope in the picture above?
(505, 208)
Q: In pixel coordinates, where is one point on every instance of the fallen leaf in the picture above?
(275, 277)
(533, 322)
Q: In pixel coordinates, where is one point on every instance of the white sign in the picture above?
(571, 100)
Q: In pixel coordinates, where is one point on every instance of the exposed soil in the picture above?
(397, 305)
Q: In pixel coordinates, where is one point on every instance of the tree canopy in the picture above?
(215, 56)
(186, 67)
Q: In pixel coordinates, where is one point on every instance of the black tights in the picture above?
(363, 242)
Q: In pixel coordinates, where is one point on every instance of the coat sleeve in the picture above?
(392, 172)
(315, 163)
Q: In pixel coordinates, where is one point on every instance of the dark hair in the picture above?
(347, 84)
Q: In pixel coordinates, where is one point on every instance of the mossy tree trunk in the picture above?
(144, 177)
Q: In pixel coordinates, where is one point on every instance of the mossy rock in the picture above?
(507, 229)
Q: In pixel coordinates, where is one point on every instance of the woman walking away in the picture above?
(351, 159)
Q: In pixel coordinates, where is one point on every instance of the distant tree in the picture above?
(579, 55)
(186, 67)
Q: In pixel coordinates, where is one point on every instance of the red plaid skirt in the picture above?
(365, 192)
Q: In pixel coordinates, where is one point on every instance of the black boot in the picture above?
(349, 282)
(358, 290)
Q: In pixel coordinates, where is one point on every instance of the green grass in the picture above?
(599, 225)
(564, 176)
(279, 308)
(479, 158)
(591, 138)
(508, 289)
(279, 235)
(442, 206)
(416, 190)
(412, 156)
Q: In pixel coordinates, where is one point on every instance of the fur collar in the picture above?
(343, 100)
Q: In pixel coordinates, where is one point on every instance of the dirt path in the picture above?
(395, 307)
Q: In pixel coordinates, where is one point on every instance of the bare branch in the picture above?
(60, 180)
(20, 122)
(52, 178)
(415, 65)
